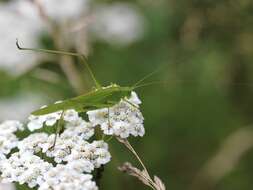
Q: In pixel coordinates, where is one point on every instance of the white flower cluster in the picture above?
(31, 169)
(23, 168)
(73, 156)
(8, 139)
(122, 120)
(78, 153)
(71, 149)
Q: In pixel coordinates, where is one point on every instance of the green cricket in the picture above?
(99, 97)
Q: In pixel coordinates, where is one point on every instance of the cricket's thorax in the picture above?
(113, 92)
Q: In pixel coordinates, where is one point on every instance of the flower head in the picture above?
(123, 119)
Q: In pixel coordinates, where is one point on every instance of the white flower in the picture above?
(100, 144)
(138, 130)
(134, 99)
(52, 118)
(36, 122)
(61, 149)
(81, 166)
(103, 157)
(96, 153)
(99, 116)
(8, 139)
(7, 143)
(33, 143)
(123, 119)
(10, 126)
(107, 129)
(71, 115)
(121, 129)
(79, 128)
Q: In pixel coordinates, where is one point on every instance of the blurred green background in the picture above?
(198, 121)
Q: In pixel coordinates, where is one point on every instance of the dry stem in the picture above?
(142, 175)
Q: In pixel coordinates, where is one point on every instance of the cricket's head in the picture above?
(125, 91)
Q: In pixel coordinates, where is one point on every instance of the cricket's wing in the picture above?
(92, 100)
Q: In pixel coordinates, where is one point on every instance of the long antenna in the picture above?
(189, 82)
(79, 55)
(150, 83)
(145, 77)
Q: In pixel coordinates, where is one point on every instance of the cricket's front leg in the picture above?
(130, 103)
(109, 122)
(58, 129)
(55, 138)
